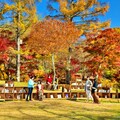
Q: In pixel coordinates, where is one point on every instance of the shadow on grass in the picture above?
(79, 116)
(52, 110)
(102, 100)
(9, 117)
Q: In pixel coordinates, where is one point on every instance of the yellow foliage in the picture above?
(3, 75)
(92, 42)
(83, 9)
(12, 50)
(97, 9)
(8, 7)
(90, 3)
(35, 19)
(2, 67)
(107, 82)
(38, 56)
(38, 73)
(117, 29)
(99, 25)
(79, 6)
(26, 78)
(105, 9)
(19, 9)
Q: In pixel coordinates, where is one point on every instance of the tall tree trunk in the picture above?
(68, 73)
(18, 60)
(18, 46)
(53, 63)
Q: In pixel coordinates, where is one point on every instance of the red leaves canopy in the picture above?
(4, 43)
(104, 50)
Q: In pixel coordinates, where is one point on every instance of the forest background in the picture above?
(86, 35)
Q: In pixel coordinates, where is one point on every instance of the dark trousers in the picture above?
(29, 93)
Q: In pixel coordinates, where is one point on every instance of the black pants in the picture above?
(29, 93)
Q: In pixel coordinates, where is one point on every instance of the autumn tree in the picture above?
(18, 15)
(50, 36)
(3, 57)
(84, 13)
(6, 58)
(104, 51)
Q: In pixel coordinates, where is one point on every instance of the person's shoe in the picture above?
(27, 100)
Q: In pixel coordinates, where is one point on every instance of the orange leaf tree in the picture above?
(104, 51)
(50, 36)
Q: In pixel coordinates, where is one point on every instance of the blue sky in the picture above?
(113, 14)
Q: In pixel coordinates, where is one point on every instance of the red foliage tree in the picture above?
(104, 50)
(5, 55)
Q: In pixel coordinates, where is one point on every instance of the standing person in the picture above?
(40, 90)
(88, 87)
(30, 88)
(94, 89)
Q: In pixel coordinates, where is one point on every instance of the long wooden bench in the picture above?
(64, 91)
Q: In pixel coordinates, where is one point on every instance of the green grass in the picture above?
(60, 109)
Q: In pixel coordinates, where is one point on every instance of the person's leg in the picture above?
(28, 94)
(31, 89)
(90, 95)
(96, 98)
(40, 95)
(93, 95)
(87, 93)
(49, 86)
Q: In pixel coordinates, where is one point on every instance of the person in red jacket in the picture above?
(49, 82)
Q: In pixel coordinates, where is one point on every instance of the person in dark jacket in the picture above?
(94, 90)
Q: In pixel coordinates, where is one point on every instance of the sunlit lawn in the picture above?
(60, 109)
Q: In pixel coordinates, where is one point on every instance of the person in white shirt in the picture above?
(88, 86)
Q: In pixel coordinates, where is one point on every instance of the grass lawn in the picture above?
(60, 109)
